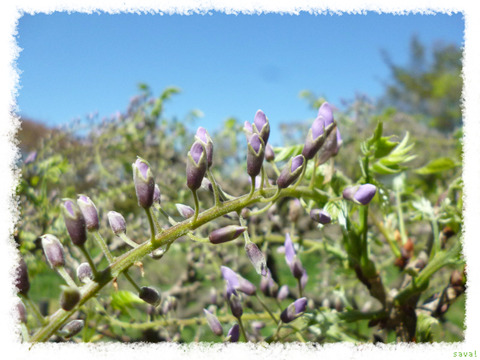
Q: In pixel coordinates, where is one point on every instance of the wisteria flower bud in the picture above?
(360, 194)
(291, 172)
(269, 153)
(256, 258)
(206, 140)
(291, 258)
(227, 233)
(117, 222)
(326, 112)
(69, 298)
(185, 211)
(294, 310)
(53, 250)
(261, 125)
(248, 130)
(283, 293)
(149, 295)
(21, 280)
(255, 155)
(320, 216)
(196, 166)
(236, 282)
(156, 195)
(304, 279)
(89, 212)
(75, 222)
(233, 334)
(72, 328)
(235, 305)
(31, 157)
(144, 182)
(213, 322)
(321, 128)
(22, 312)
(84, 273)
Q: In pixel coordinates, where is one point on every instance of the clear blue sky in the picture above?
(226, 65)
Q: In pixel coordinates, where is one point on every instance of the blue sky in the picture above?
(226, 65)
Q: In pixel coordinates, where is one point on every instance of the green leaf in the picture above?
(436, 166)
(285, 153)
(122, 300)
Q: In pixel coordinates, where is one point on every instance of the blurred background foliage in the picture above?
(94, 156)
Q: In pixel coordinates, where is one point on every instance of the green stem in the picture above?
(275, 168)
(252, 187)
(103, 246)
(301, 175)
(262, 210)
(31, 307)
(63, 273)
(314, 172)
(266, 308)
(158, 228)
(24, 330)
(401, 223)
(85, 253)
(300, 291)
(436, 239)
(197, 206)
(216, 193)
(127, 240)
(151, 223)
(131, 281)
(242, 329)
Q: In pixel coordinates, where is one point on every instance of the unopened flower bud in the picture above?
(235, 305)
(196, 166)
(156, 195)
(72, 328)
(283, 293)
(213, 322)
(360, 194)
(294, 210)
(291, 172)
(233, 334)
(84, 272)
(185, 211)
(261, 125)
(75, 222)
(117, 222)
(89, 212)
(294, 310)
(21, 281)
(206, 140)
(236, 282)
(291, 258)
(53, 250)
(149, 295)
(227, 233)
(255, 155)
(69, 298)
(269, 153)
(256, 258)
(321, 128)
(22, 312)
(144, 182)
(248, 130)
(320, 216)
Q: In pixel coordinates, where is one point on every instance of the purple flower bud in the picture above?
(89, 212)
(196, 166)
(235, 305)
(22, 312)
(304, 279)
(144, 182)
(269, 153)
(320, 216)
(255, 155)
(283, 293)
(149, 295)
(326, 112)
(261, 125)
(21, 280)
(69, 298)
(117, 222)
(294, 310)
(291, 172)
(72, 328)
(156, 195)
(213, 322)
(227, 233)
(53, 250)
(84, 272)
(329, 148)
(360, 194)
(268, 286)
(31, 157)
(185, 211)
(248, 130)
(292, 260)
(236, 282)
(256, 258)
(234, 333)
(75, 222)
(202, 136)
